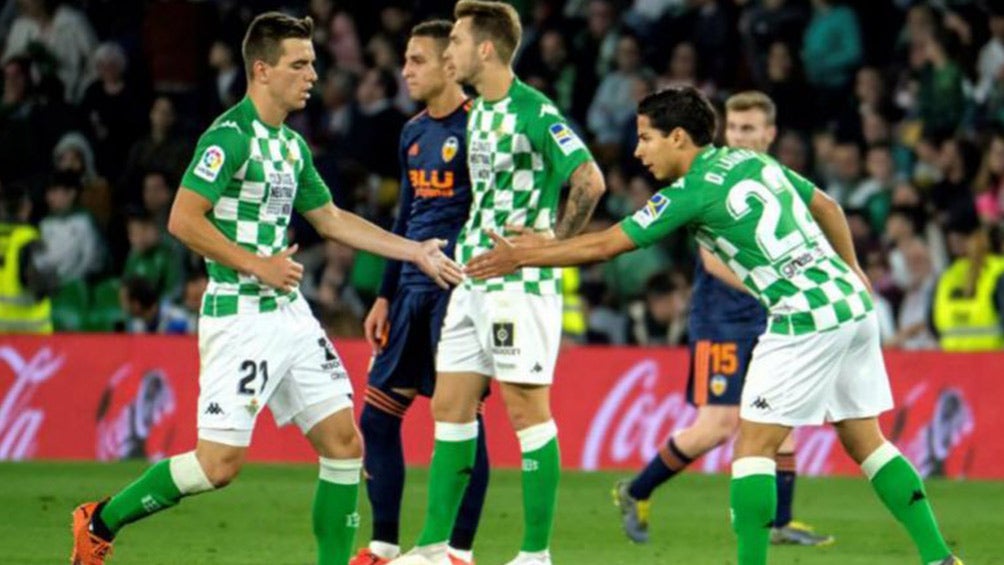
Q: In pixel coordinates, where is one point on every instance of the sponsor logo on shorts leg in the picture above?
(504, 338)
(214, 409)
(331, 360)
(760, 403)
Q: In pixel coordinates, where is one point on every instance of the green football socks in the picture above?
(753, 500)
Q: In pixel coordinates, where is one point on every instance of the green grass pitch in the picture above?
(264, 518)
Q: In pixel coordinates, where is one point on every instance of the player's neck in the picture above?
(446, 102)
(691, 155)
(268, 111)
(495, 82)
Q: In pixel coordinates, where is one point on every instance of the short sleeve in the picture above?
(803, 186)
(668, 210)
(219, 154)
(311, 190)
(561, 147)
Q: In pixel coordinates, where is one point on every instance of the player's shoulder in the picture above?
(534, 102)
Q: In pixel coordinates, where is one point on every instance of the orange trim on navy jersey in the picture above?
(419, 115)
(702, 354)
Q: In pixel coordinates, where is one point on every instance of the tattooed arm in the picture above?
(587, 186)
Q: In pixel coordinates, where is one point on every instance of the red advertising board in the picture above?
(110, 397)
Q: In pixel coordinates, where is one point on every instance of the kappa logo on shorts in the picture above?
(214, 409)
(537, 368)
(502, 334)
(760, 403)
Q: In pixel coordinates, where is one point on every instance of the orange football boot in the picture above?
(88, 547)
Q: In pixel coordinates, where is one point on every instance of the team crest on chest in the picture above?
(450, 147)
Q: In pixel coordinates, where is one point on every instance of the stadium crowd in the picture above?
(895, 108)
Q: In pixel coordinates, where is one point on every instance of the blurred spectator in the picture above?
(969, 299)
(614, 104)
(991, 60)
(989, 179)
(877, 270)
(158, 194)
(766, 24)
(343, 43)
(23, 148)
(682, 70)
(785, 84)
(953, 196)
(113, 108)
(376, 124)
(73, 153)
(712, 29)
(594, 48)
(25, 286)
(554, 75)
(73, 243)
(846, 179)
(229, 80)
(661, 318)
(326, 284)
(875, 193)
(626, 274)
(161, 148)
(385, 55)
(57, 37)
(912, 331)
(941, 98)
(792, 151)
(148, 314)
(830, 53)
(150, 257)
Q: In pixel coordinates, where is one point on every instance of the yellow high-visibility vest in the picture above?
(969, 323)
(20, 311)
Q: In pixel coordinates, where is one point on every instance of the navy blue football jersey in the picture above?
(435, 190)
(719, 311)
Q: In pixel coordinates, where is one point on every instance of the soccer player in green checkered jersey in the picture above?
(259, 344)
(763, 228)
(520, 153)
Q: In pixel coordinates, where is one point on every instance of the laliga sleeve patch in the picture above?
(649, 213)
(210, 163)
(566, 139)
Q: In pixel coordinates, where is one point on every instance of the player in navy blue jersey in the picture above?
(724, 325)
(404, 324)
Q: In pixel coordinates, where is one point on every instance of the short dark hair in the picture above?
(139, 214)
(263, 40)
(141, 290)
(436, 29)
(660, 284)
(497, 22)
(683, 107)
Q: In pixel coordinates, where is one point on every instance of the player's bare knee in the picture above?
(526, 413)
(454, 409)
(222, 467)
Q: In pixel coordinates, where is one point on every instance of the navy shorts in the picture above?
(408, 357)
(718, 370)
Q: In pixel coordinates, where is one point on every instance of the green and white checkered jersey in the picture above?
(255, 175)
(753, 214)
(520, 151)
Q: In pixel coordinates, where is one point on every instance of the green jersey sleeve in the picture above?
(219, 154)
(668, 210)
(803, 186)
(561, 147)
(311, 190)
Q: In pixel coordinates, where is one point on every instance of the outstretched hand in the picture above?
(440, 268)
(522, 236)
(501, 260)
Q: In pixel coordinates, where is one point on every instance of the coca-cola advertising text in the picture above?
(107, 397)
